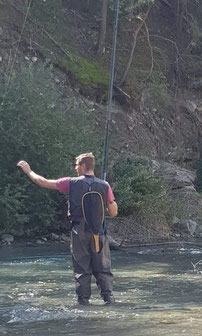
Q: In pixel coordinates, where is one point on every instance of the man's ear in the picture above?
(83, 167)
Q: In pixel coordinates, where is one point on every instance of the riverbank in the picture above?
(122, 233)
(24, 246)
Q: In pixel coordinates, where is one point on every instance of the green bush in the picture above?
(158, 89)
(142, 195)
(38, 125)
(134, 184)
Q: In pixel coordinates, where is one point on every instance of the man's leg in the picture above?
(81, 259)
(101, 264)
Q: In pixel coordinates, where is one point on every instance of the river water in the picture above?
(157, 293)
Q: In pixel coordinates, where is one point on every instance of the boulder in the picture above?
(18, 232)
(199, 230)
(189, 105)
(186, 227)
(7, 238)
(185, 203)
(44, 239)
(54, 236)
(174, 175)
(64, 238)
(30, 244)
(40, 242)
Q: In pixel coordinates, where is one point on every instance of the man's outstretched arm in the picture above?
(37, 179)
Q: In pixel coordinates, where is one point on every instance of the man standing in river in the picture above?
(86, 260)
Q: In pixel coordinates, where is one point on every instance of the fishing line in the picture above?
(15, 55)
(109, 107)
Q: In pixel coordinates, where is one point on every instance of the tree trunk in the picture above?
(134, 40)
(102, 29)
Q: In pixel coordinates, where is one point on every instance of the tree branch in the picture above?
(135, 35)
(151, 49)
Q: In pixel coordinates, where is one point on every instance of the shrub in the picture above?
(37, 124)
(139, 192)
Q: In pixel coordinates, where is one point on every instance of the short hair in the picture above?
(88, 159)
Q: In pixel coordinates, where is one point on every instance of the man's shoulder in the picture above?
(62, 184)
(101, 181)
(89, 179)
(77, 178)
(84, 177)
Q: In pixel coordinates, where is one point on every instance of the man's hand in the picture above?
(24, 166)
(37, 179)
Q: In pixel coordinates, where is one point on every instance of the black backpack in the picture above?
(93, 213)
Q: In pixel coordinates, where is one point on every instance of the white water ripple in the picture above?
(29, 314)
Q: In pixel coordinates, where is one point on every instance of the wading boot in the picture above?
(109, 299)
(83, 301)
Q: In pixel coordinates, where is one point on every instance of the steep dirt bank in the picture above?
(155, 122)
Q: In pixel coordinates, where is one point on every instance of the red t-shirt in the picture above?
(63, 186)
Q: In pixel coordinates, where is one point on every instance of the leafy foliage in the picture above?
(141, 194)
(38, 125)
(133, 183)
(123, 4)
(159, 89)
(47, 12)
(85, 72)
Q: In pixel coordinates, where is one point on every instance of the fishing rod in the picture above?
(109, 107)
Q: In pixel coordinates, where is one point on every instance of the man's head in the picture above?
(85, 164)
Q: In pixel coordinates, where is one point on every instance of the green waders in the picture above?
(86, 262)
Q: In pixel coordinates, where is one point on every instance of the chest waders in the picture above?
(89, 243)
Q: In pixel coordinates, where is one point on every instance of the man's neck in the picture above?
(89, 172)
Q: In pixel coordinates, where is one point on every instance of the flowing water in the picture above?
(157, 293)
